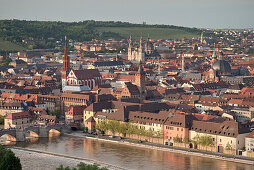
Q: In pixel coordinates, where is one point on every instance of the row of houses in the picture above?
(171, 123)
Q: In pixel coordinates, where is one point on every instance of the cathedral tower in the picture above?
(130, 49)
(141, 53)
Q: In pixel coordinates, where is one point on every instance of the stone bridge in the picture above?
(35, 131)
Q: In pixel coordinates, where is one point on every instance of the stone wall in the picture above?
(250, 154)
(232, 152)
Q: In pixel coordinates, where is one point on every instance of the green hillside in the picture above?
(44, 34)
(9, 46)
(154, 33)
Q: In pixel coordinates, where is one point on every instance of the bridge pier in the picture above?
(20, 136)
(43, 132)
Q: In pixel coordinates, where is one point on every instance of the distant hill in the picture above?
(49, 31)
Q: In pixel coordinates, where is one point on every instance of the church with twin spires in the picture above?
(143, 52)
(78, 80)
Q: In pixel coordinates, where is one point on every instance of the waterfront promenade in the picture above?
(237, 159)
(115, 153)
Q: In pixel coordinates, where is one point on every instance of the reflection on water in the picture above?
(127, 156)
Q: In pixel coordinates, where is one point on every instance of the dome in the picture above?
(222, 66)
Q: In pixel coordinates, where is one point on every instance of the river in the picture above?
(129, 157)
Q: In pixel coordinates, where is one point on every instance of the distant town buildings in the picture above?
(167, 91)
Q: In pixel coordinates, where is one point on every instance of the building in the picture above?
(75, 115)
(219, 68)
(249, 142)
(87, 77)
(223, 132)
(17, 120)
(142, 53)
(136, 54)
(177, 125)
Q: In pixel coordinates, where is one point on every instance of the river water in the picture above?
(129, 157)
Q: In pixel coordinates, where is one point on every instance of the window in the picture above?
(220, 140)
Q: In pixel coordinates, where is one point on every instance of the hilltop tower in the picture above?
(66, 65)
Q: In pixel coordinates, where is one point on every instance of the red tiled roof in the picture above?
(18, 115)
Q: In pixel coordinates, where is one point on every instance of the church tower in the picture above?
(66, 65)
(140, 81)
(201, 38)
(141, 53)
(130, 49)
(183, 64)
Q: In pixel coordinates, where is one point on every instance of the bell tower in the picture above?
(140, 81)
(66, 65)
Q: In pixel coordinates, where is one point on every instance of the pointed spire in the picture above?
(65, 47)
(141, 41)
(130, 41)
(66, 59)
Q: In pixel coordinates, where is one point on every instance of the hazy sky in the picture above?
(192, 13)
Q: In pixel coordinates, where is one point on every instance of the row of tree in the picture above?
(126, 128)
(82, 166)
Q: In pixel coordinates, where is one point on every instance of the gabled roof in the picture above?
(18, 115)
(133, 89)
(86, 74)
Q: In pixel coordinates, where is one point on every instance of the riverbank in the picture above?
(168, 149)
(41, 160)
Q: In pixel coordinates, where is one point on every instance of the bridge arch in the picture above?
(8, 137)
(32, 134)
(54, 132)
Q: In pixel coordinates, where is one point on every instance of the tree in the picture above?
(8, 160)
(1, 120)
(228, 147)
(185, 141)
(56, 113)
(61, 167)
(177, 140)
(83, 166)
(205, 140)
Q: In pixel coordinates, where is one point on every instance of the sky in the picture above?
(217, 14)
